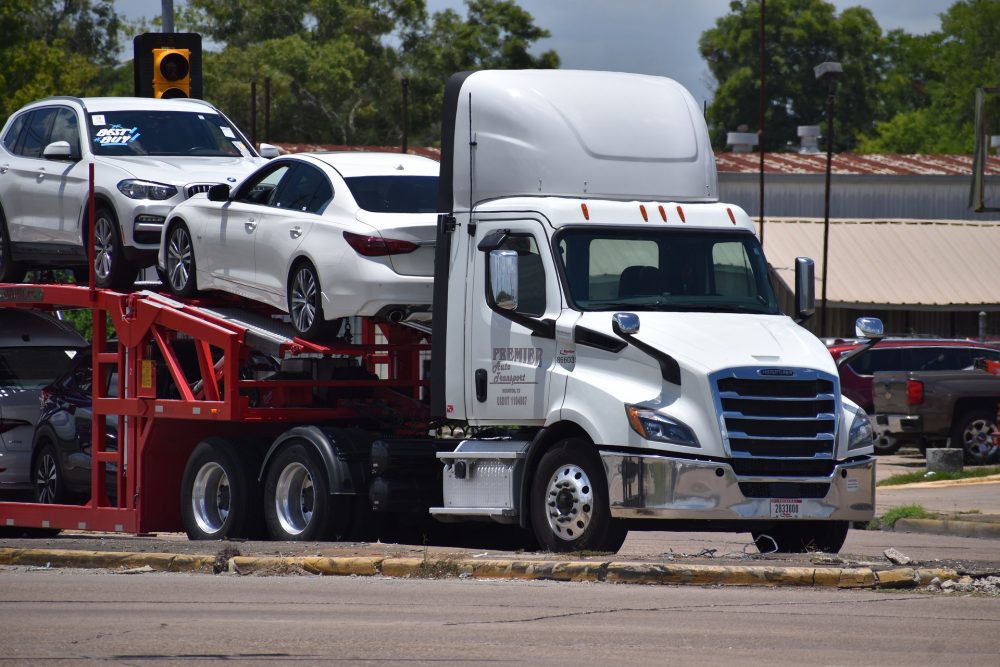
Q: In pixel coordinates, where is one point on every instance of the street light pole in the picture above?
(830, 72)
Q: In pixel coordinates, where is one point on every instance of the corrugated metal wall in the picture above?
(858, 196)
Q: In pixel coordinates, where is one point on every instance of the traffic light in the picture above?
(171, 73)
(167, 64)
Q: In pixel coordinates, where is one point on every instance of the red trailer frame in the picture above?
(158, 433)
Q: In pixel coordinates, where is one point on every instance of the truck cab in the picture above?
(596, 294)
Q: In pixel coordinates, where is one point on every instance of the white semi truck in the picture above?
(605, 333)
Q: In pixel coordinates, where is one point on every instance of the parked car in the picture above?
(320, 236)
(148, 155)
(902, 354)
(62, 442)
(35, 348)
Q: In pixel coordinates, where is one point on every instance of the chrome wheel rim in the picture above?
(47, 477)
(569, 500)
(211, 498)
(104, 245)
(977, 439)
(294, 499)
(180, 257)
(303, 299)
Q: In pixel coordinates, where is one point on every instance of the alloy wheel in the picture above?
(211, 498)
(104, 247)
(569, 502)
(179, 258)
(304, 296)
(294, 498)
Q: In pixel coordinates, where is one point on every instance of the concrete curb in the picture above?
(604, 571)
(954, 527)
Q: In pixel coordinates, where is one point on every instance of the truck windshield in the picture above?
(130, 133)
(666, 270)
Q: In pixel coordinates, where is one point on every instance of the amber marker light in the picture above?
(586, 213)
(642, 209)
(680, 212)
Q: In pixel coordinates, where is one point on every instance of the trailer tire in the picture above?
(569, 501)
(220, 496)
(297, 501)
(797, 537)
(972, 432)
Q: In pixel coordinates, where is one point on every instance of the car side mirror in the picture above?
(805, 288)
(218, 192)
(869, 327)
(269, 151)
(59, 150)
(503, 278)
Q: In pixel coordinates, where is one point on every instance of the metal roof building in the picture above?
(904, 245)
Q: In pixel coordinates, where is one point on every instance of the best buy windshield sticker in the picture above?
(116, 135)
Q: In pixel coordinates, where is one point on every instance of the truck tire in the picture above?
(569, 501)
(220, 496)
(796, 537)
(972, 433)
(297, 501)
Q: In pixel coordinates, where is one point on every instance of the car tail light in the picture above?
(376, 246)
(914, 392)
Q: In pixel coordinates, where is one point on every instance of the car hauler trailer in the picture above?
(603, 327)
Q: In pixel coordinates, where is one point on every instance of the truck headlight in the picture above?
(652, 425)
(134, 189)
(861, 434)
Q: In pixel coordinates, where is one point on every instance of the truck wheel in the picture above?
(297, 502)
(569, 501)
(802, 536)
(972, 433)
(111, 269)
(220, 497)
(10, 271)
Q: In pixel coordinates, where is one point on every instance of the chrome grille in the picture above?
(195, 188)
(778, 414)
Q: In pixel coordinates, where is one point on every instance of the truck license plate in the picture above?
(785, 508)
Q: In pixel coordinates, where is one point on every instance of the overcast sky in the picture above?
(645, 36)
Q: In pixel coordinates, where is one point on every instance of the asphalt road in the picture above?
(77, 617)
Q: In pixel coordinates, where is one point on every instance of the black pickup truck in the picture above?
(940, 408)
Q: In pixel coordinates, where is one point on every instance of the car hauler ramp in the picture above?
(184, 377)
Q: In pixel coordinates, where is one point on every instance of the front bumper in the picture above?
(660, 487)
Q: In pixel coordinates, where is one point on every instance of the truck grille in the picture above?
(779, 414)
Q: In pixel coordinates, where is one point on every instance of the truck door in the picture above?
(510, 353)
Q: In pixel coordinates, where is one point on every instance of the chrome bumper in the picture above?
(660, 487)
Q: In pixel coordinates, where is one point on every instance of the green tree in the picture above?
(799, 34)
(336, 66)
(52, 47)
(944, 69)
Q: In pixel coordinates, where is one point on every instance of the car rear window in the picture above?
(395, 194)
(33, 367)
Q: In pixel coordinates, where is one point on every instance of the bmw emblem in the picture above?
(231, 179)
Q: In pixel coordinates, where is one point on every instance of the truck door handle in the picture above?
(481, 385)
(250, 225)
(295, 232)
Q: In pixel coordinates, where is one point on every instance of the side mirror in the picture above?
(269, 151)
(503, 278)
(625, 324)
(869, 327)
(58, 150)
(805, 288)
(218, 192)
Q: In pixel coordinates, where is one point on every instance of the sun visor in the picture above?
(575, 134)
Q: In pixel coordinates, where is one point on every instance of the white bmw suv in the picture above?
(148, 154)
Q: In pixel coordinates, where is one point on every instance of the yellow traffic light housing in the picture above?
(168, 64)
(171, 73)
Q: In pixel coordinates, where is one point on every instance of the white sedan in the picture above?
(320, 236)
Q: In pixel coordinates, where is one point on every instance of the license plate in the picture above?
(786, 508)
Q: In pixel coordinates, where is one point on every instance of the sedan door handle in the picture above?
(295, 232)
(250, 224)
(4, 168)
